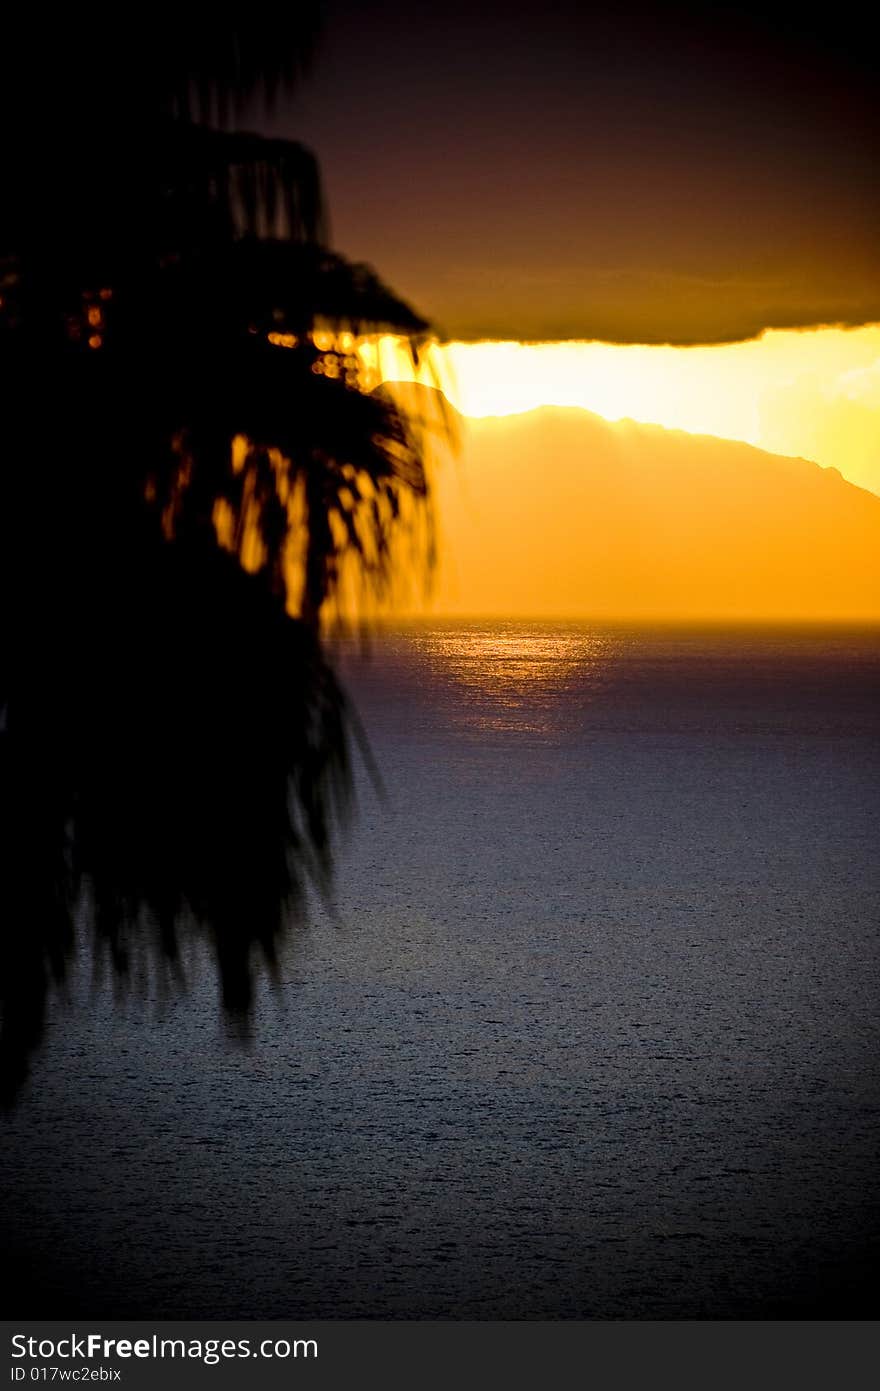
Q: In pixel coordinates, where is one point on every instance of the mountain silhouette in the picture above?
(557, 512)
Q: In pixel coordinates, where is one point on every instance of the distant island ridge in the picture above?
(557, 512)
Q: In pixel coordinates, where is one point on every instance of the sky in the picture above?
(667, 213)
(666, 173)
(810, 393)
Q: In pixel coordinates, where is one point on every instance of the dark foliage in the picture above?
(190, 457)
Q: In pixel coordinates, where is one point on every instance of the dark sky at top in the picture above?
(551, 170)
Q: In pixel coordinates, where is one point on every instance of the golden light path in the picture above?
(812, 393)
(513, 676)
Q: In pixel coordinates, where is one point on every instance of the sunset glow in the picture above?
(811, 393)
(650, 507)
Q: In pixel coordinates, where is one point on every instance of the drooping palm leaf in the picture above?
(174, 743)
(216, 186)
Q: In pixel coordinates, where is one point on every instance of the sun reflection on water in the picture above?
(510, 678)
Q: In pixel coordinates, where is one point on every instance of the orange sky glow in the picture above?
(813, 393)
(648, 483)
(558, 504)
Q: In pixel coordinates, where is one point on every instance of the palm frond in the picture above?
(325, 471)
(215, 65)
(218, 185)
(261, 286)
(195, 460)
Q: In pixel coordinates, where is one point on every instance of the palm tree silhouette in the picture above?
(193, 460)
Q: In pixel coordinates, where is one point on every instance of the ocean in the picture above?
(588, 1030)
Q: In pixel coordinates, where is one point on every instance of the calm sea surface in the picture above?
(591, 1029)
